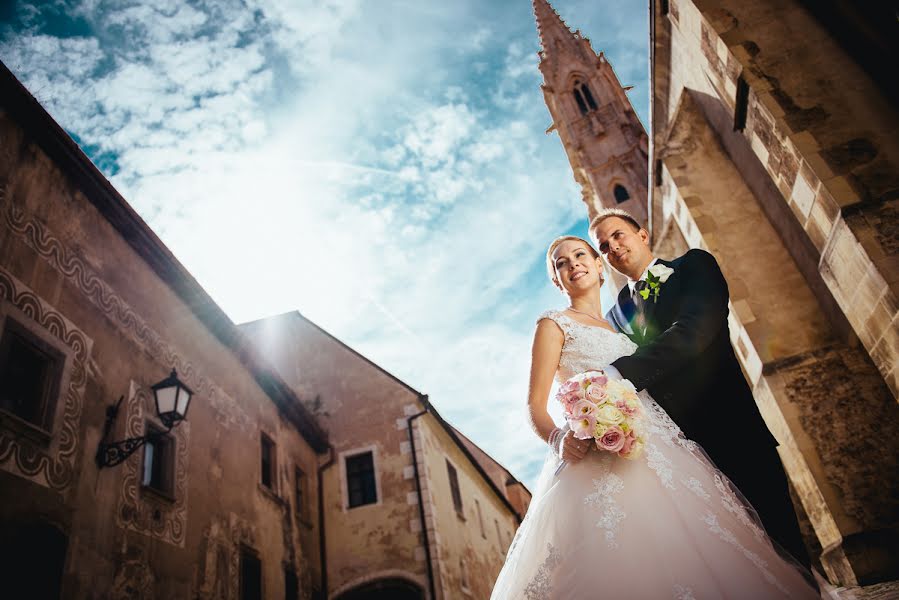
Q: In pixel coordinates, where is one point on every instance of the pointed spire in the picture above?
(550, 25)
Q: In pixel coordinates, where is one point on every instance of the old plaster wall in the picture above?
(68, 272)
(363, 408)
(518, 495)
(469, 558)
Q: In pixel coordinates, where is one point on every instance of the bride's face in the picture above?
(576, 267)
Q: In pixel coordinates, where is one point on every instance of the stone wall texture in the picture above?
(797, 202)
(68, 277)
(364, 408)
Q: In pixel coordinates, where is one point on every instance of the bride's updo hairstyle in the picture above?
(550, 264)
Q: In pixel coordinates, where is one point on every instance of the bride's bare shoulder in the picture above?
(551, 323)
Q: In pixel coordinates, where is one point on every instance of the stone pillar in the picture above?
(819, 390)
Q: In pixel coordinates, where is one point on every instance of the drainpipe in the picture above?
(421, 505)
(323, 553)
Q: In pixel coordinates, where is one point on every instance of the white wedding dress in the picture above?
(665, 525)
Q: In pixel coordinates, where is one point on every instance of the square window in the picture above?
(30, 370)
(360, 479)
(159, 462)
(268, 462)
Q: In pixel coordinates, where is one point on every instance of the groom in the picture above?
(676, 312)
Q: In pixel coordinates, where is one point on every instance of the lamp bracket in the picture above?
(110, 454)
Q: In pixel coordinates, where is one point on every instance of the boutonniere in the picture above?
(655, 277)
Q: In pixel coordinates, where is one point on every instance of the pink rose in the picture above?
(628, 408)
(629, 441)
(569, 401)
(599, 380)
(596, 393)
(569, 387)
(612, 440)
(569, 393)
(581, 408)
(633, 449)
(582, 426)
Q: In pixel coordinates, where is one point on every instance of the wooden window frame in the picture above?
(30, 333)
(169, 455)
(272, 485)
(344, 463)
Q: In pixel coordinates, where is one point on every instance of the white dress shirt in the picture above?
(611, 371)
(632, 282)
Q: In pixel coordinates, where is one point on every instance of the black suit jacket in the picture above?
(686, 361)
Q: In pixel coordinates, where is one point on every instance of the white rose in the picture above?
(608, 414)
(661, 272)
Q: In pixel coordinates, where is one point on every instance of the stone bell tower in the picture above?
(605, 141)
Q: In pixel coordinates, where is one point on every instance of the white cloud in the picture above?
(336, 157)
(436, 133)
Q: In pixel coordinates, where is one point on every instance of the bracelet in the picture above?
(555, 437)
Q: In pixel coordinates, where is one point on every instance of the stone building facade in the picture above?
(94, 308)
(774, 146)
(250, 496)
(440, 513)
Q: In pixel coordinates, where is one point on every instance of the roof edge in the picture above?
(350, 349)
(66, 155)
(450, 430)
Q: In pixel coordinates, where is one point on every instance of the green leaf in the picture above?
(644, 293)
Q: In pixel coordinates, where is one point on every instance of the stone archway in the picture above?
(394, 588)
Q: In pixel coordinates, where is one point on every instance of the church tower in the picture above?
(605, 141)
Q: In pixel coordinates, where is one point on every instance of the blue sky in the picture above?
(380, 166)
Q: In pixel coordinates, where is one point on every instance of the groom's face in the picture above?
(626, 250)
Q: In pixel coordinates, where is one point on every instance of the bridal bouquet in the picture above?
(604, 409)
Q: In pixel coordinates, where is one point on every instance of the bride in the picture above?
(665, 525)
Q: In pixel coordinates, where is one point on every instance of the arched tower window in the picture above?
(584, 97)
(621, 194)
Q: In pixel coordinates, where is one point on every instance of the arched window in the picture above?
(584, 97)
(588, 97)
(621, 194)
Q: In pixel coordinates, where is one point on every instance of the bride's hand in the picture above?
(573, 449)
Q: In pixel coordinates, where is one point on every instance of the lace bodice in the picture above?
(587, 348)
(595, 527)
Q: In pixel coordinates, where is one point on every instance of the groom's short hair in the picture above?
(608, 213)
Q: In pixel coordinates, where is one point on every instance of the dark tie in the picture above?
(640, 304)
(638, 287)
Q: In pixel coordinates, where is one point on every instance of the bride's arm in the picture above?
(545, 354)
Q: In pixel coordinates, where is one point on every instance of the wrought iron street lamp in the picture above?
(172, 398)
